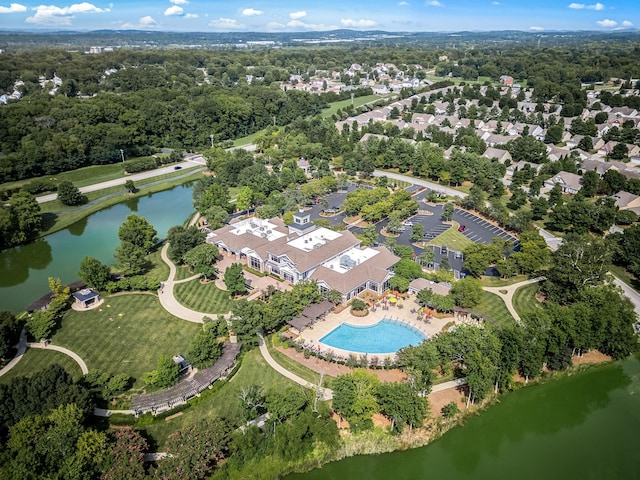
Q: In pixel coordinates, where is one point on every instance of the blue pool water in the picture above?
(386, 336)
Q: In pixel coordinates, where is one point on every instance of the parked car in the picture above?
(408, 223)
(462, 228)
(177, 167)
(329, 211)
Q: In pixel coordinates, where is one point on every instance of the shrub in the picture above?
(358, 305)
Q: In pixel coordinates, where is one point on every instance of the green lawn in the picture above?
(36, 360)
(159, 270)
(80, 177)
(223, 402)
(524, 299)
(129, 344)
(183, 272)
(357, 102)
(203, 297)
(294, 367)
(494, 308)
(501, 282)
(452, 239)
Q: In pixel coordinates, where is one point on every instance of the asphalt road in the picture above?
(191, 162)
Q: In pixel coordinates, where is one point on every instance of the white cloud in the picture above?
(581, 6)
(434, 3)
(179, 2)
(536, 29)
(191, 15)
(50, 14)
(226, 24)
(297, 15)
(627, 24)
(606, 23)
(13, 8)
(495, 3)
(347, 22)
(148, 21)
(249, 12)
(174, 11)
(403, 4)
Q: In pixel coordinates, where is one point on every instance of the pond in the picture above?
(581, 426)
(24, 270)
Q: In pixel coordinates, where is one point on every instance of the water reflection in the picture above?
(77, 229)
(18, 261)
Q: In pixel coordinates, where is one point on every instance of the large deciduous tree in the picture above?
(94, 273)
(201, 259)
(234, 279)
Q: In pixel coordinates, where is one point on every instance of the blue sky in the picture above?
(292, 16)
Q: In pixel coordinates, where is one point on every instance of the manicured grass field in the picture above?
(80, 177)
(203, 297)
(495, 308)
(129, 344)
(524, 299)
(35, 360)
(159, 270)
(357, 102)
(224, 402)
(501, 282)
(453, 239)
(183, 272)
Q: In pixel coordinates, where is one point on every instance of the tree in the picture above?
(9, 332)
(554, 134)
(369, 235)
(402, 405)
(580, 262)
(217, 216)
(181, 240)
(285, 403)
(126, 456)
(467, 292)
(234, 279)
(408, 269)
(166, 373)
(40, 325)
(447, 213)
(417, 232)
(205, 349)
(139, 232)
(201, 259)
(130, 259)
(354, 398)
(69, 194)
(195, 451)
(590, 183)
(450, 410)
(94, 273)
(619, 152)
(130, 186)
(245, 199)
(478, 257)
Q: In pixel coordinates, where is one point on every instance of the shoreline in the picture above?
(379, 441)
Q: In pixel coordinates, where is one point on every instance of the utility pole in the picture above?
(274, 120)
(122, 154)
(211, 137)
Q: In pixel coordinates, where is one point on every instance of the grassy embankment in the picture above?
(203, 297)
(58, 216)
(35, 360)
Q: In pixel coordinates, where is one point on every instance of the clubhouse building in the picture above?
(301, 251)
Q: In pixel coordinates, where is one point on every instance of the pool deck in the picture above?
(312, 335)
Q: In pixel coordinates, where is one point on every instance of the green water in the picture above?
(586, 426)
(24, 270)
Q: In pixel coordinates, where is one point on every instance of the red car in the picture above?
(462, 228)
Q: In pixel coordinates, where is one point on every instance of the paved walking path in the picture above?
(447, 385)
(103, 412)
(66, 351)
(423, 183)
(506, 294)
(325, 393)
(21, 346)
(169, 301)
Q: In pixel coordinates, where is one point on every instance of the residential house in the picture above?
(556, 153)
(627, 201)
(441, 288)
(511, 169)
(501, 155)
(570, 182)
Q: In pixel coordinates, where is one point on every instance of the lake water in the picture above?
(24, 270)
(585, 426)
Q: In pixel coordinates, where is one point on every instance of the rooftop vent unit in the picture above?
(317, 245)
(347, 262)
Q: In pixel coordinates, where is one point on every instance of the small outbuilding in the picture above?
(86, 297)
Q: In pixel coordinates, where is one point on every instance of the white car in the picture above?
(408, 224)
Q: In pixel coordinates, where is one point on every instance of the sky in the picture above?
(301, 16)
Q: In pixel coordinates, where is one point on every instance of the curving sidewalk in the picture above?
(22, 348)
(506, 294)
(325, 393)
(66, 351)
(168, 299)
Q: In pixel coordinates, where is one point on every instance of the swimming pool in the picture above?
(386, 336)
